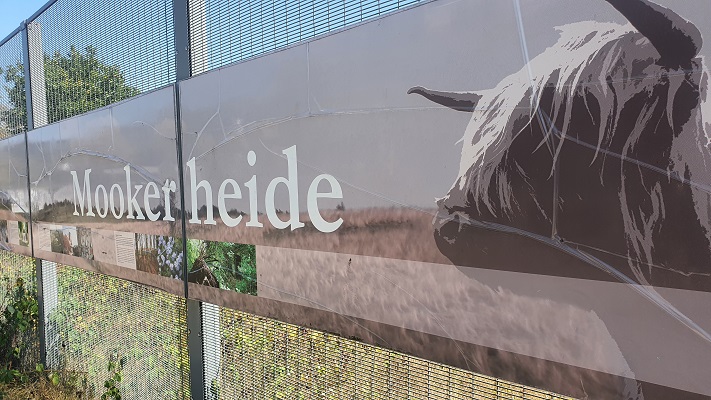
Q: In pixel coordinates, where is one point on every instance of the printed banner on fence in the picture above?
(471, 175)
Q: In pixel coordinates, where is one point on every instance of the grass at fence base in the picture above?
(36, 391)
(49, 385)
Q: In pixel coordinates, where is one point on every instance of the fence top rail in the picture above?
(42, 9)
(30, 19)
(13, 33)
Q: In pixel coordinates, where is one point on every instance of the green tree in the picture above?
(75, 83)
(13, 119)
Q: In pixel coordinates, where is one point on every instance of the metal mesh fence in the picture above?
(224, 31)
(86, 54)
(262, 358)
(97, 317)
(14, 267)
(13, 115)
(95, 53)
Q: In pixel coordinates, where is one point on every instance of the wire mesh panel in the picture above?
(263, 358)
(13, 267)
(13, 111)
(99, 52)
(223, 31)
(98, 319)
(15, 271)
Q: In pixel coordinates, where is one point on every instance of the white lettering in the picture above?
(312, 203)
(167, 188)
(132, 203)
(194, 186)
(229, 190)
(105, 207)
(112, 202)
(253, 214)
(81, 194)
(221, 196)
(150, 193)
(292, 187)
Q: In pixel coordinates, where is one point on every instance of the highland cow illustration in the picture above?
(592, 161)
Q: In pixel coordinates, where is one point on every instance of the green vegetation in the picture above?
(114, 380)
(96, 318)
(46, 385)
(18, 324)
(231, 266)
(75, 83)
(19, 316)
(99, 317)
(264, 358)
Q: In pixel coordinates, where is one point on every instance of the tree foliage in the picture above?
(75, 83)
(14, 119)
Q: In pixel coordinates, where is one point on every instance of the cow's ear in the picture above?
(460, 101)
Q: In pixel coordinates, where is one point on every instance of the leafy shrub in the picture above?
(112, 382)
(18, 321)
(19, 316)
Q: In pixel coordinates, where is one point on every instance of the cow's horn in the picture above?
(460, 101)
(677, 40)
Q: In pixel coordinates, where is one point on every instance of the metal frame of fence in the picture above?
(190, 58)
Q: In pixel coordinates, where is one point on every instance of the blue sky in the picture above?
(143, 50)
(12, 12)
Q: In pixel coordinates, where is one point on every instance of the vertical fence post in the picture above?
(35, 58)
(28, 83)
(197, 378)
(209, 313)
(210, 319)
(197, 13)
(40, 311)
(181, 30)
(50, 301)
(36, 106)
(181, 27)
(27, 59)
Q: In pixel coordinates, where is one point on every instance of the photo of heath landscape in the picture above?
(402, 233)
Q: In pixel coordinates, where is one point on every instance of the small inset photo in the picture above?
(160, 255)
(229, 266)
(57, 239)
(3, 231)
(23, 227)
(84, 248)
(70, 244)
